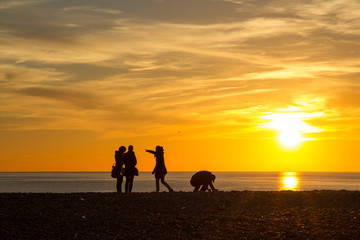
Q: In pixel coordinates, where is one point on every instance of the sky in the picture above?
(222, 85)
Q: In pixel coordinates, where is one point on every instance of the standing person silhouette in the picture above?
(130, 169)
(119, 159)
(160, 169)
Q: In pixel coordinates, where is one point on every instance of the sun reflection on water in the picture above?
(289, 181)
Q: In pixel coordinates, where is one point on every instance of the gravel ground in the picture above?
(181, 215)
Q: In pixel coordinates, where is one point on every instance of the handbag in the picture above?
(115, 172)
(136, 171)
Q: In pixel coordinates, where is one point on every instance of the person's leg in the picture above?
(119, 183)
(157, 184)
(166, 185)
(127, 184)
(204, 187)
(196, 188)
(131, 180)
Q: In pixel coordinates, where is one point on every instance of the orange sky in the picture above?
(222, 85)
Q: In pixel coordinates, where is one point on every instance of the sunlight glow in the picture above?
(290, 138)
(289, 181)
(291, 126)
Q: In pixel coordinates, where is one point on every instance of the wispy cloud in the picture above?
(8, 4)
(128, 68)
(92, 9)
(77, 98)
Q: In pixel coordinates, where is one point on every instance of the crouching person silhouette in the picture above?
(204, 179)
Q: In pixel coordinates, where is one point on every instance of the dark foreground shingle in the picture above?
(181, 215)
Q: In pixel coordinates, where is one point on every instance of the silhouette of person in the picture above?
(119, 160)
(160, 169)
(130, 169)
(204, 179)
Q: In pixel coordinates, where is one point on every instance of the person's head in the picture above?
(130, 148)
(212, 177)
(159, 149)
(122, 149)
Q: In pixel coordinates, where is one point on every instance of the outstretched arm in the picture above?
(150, 151)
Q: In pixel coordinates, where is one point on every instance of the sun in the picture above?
(291, 127)
(290, 138)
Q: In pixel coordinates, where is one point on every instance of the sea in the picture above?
(68, 182)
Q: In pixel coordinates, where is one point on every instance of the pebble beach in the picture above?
(181, 215)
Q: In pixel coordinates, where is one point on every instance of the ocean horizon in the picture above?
(67, 182)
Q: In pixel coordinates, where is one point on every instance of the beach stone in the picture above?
(182, 215)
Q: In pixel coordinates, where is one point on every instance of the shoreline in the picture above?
(317, 214)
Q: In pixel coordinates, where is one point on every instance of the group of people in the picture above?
(126, 162)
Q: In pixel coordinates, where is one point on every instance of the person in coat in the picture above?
(119, 162)
(160, 169)
(130, 170)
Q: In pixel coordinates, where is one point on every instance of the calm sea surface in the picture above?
(64, 182)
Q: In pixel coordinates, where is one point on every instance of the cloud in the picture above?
(92, 9)
(20, 75)
(77, 98)
(8, 4)
(150, 68)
